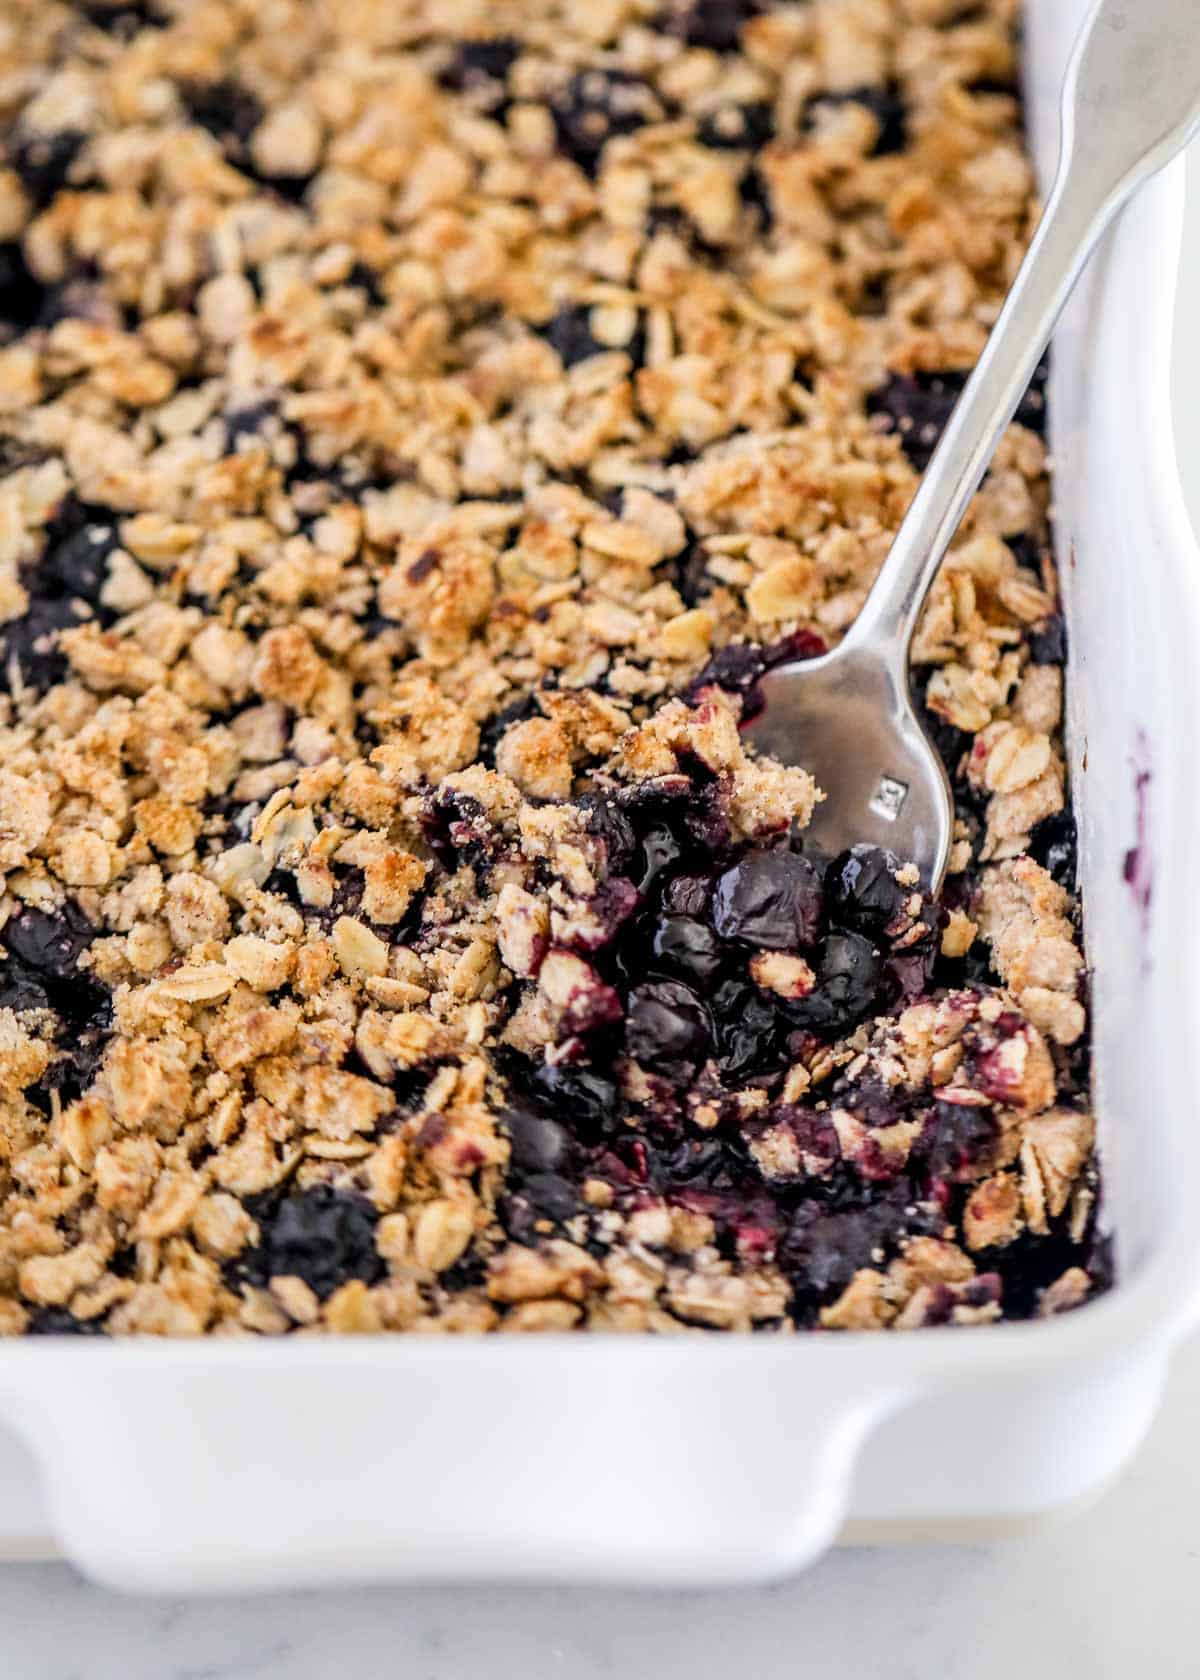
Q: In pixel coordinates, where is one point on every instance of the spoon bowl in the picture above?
(847, 717)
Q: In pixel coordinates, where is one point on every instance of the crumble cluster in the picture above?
(421, 423)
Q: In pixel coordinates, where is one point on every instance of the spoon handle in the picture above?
(1131, 100)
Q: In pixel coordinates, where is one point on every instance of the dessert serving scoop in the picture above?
(1130, 101)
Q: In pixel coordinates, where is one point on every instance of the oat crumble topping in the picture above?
(421, 423)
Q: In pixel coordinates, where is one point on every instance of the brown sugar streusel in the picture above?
(421, 423)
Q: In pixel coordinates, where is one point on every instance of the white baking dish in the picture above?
(708, 1460)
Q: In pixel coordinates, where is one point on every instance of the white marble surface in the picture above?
(1110, 1593)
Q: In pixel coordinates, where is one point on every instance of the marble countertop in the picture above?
(1108, 1593)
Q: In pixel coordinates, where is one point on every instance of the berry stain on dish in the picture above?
(1138, 864)
(410, 486)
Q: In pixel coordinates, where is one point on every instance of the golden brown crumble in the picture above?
(402, 404)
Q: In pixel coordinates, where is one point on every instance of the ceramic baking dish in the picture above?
(710, 1459)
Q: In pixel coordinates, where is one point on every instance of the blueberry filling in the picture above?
(687, 947)
(771, 899)
(479, 69)
(226, 109)
(41, 971)
(885, 104)
(21, 295)
(74, 562)
(1048, 641)
(749, 1031)
(699, 1022)
(31, 642)
(917, 406)
(49, 943)
(64, 588)
(57, 1321)
(863, 891)
(120, 17)
(323, 1236)
(738, 667)
(716, 24)
(569, 332)
(1054, 844)
(848, 970)
(42, 162)
(597, 105)
(667, 1028)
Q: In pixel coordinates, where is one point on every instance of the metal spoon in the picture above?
(1130, 101)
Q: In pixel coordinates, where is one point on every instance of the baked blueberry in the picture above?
(475, 63)
(917, 407)
(581, 1100)
(553, 1196)
(21, 295)
(457, 828)
(122, 18)
(49, 943)
(74, 562)
(1048, 641)
(42, 161)
(324, 1236)
(958, 1141)
(20, 986)
(667, 1028)
(683, 945)
(569, 333)
(687, 895)
(1054, 844)
(598, 104)
(737, 667)
(31, 642)
(659, 849)
(848, 970)
(771, 899)
(610, 824)
(748, 1031)
(538, 1144)
(226, 108)
(57, 1321)
(823, 1250)
(716, 24)
(862, 890)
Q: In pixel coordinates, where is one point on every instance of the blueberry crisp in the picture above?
(421, 426)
